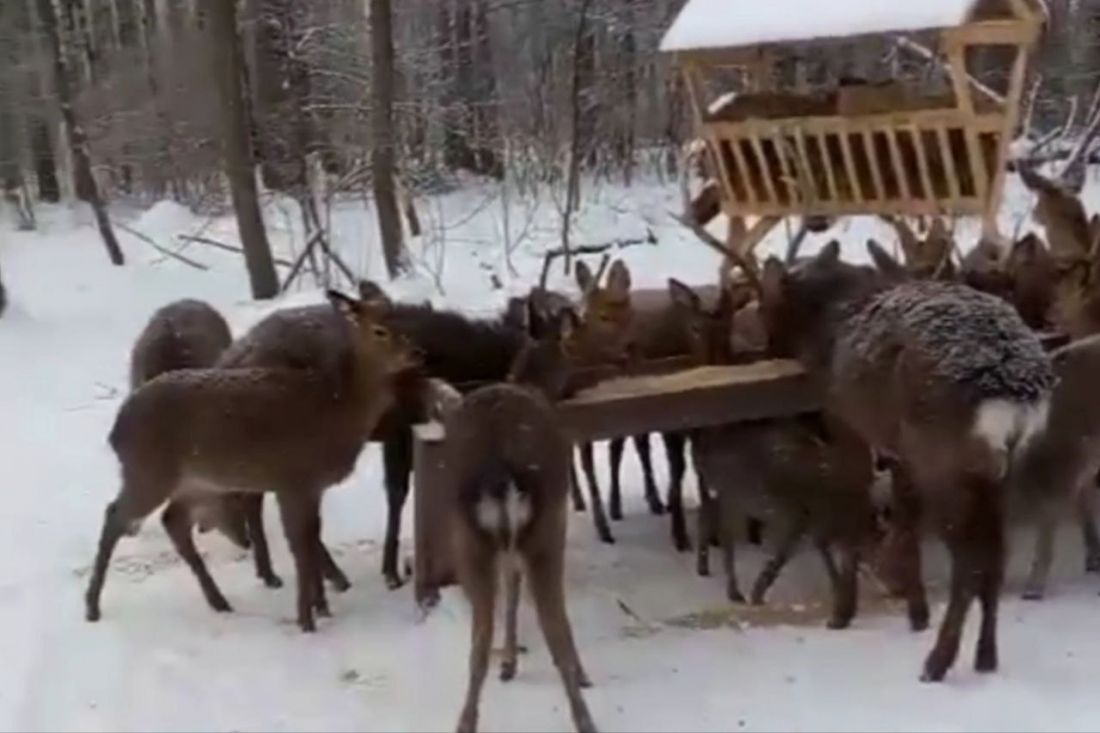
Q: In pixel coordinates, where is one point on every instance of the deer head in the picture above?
(607, 314)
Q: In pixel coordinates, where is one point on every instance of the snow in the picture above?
(729, 24)
(665, 651)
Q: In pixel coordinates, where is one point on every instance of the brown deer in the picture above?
(1060, 464)
(507, 482)
(795, 473)
(946, 380)
(189, 334)
(291, 431)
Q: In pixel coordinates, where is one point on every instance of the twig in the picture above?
(794, 244)
(928, 54)
(227, 247)
(163, 250)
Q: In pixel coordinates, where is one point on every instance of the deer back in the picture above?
(185, 334)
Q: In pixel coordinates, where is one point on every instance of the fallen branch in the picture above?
(590, 249)
(163, 250)
(227, 247)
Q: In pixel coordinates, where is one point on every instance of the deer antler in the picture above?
(706, 237)
(1073, 173)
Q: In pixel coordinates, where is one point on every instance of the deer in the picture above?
(506, 491)
(456, 348)
(189, 334)
(947, 381)
(797, 472)
(294, 432)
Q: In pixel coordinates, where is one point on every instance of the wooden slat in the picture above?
(994, 33)
(922, 163)
(952, 175)
(872, 160)
(822, 138)
(965, 206)
(807, 167)
(794, 191)
(985, 122)
(898, 164)
(854, 183)
(742, 162)
(765, 169)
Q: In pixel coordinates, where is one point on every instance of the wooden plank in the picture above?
(791, 178)
(922, 163)
(898, 164)
(431, 569)
(697, 398)
(765, 169)
(993, 33)
(805, 165)
(982, 122)
(952, 175)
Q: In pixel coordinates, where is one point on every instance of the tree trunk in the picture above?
(383, 163)
(218, 20)
(77, 140)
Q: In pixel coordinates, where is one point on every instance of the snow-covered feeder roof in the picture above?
(713, 24)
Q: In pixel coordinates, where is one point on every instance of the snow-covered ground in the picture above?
(663, 648)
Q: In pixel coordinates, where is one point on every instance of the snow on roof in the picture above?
(731, 23)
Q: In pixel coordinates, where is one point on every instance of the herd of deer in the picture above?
(947, 387)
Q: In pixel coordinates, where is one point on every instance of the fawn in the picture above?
(507, 484)
(799, 473)
(293, 432)
(946, 380)
(190, 334)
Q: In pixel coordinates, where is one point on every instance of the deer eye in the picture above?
(379, 333)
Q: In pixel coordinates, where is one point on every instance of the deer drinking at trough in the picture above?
(290, 431)
(506, 490)
(946, 380)
(799, 474)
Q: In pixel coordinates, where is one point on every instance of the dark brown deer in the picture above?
(796, 474)
(456, 348)
(294, 432)
(1060, 464)
(944, 379)
(507, 481)
(189, 334)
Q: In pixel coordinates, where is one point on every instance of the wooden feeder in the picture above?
(889, 148)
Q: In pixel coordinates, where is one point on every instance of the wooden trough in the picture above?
(861, 148)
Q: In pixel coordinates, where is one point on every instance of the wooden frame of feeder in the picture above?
(938, 160)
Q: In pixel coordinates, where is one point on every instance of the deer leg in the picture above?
(652, 497)
(677, 467)
(575, 487)
(754, 530)
(261, 555)
(177, 523)
(946, 648)
(614, 462)
(479, 577)
(545, 572)
(300, 514)
(770, 572)
(588, 465)
(330, 570)
(989, 537)
(1086, 516)
(906, 512)
(830, 565)
(728, 518)
(397, 462)
(705, 527)
(845, 590)
(115, 524)
(511, 620)
(1045, 522)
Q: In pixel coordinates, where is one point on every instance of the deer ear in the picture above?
(885, 263)
(373, 298)
(683, 296)
(773, 280)
(618, 278)
(345, 305)
(584, 276)
(829, 254)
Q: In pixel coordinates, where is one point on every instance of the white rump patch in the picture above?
(1002, 423)
(506, 517)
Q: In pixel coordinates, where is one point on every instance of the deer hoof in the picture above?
(918, 621)
(838, 622)
(1092, 564)
(272, 581)
(92, 614)
(394, 581)
(307, 625)
(985, 662)
(340, 584)
(656, 507)
(220, 605)
(735, 595)
(1033, 594)
(508, 670)
(935, 668)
